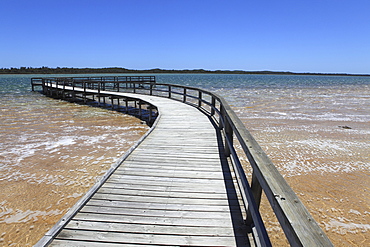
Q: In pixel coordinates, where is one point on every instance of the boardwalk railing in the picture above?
(298, 225)
(64, 87)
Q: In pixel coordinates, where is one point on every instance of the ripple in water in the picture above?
(51, 153)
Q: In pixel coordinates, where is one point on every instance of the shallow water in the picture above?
(325, 164)
(318, 136)
(51, 153)
(315, 129)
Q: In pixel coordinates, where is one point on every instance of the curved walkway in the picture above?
(174, 189)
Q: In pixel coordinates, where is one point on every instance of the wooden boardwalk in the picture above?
(183, 183)
(174, 189)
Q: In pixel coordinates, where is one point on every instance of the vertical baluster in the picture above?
(84, 85)
(199, 98)
(99, 93)
(229, 135)
(257, 193)
(213, 106)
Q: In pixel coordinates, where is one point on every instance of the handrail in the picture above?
(298, 225)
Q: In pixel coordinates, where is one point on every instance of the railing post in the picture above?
(84, 85)
(63, 90)
(222, 117)
(257, 193)
(229, 136)
(43, 86)
(169, 91)
(73, 92)
(199, 98)
(112, 101)
(184, 98)
(213, 106)
(99, 93)
(46, 87)
(151, 89)
(140, 103)
(57, 93)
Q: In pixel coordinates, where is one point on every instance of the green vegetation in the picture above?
(118, 70)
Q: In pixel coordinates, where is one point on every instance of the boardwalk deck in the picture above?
(174, 189)
(177, 188)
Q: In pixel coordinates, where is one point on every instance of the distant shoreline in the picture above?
(118, 70)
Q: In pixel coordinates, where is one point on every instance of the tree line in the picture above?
(119, 70)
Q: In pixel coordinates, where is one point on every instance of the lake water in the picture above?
(316, 130)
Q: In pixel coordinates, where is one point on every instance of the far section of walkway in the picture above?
(174, 189)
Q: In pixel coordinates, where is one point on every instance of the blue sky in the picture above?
(300, 36)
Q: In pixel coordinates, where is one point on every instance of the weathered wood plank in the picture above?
(169, 194)
(113, 237)
(215, 181)
(207, 156)
(169, 200)
(154, 212)
(164, 206)
(135, 165)
(174, 173)
(80, 243)
(154, 229)
(178, 149)
(146, 159)
(167, 182)
(169, 187)
(202, 186)
(158, 220)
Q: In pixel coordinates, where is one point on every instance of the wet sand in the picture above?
(48, 161)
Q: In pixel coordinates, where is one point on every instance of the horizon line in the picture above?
(80, 70)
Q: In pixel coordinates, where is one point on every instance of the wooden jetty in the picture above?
(183, 183)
